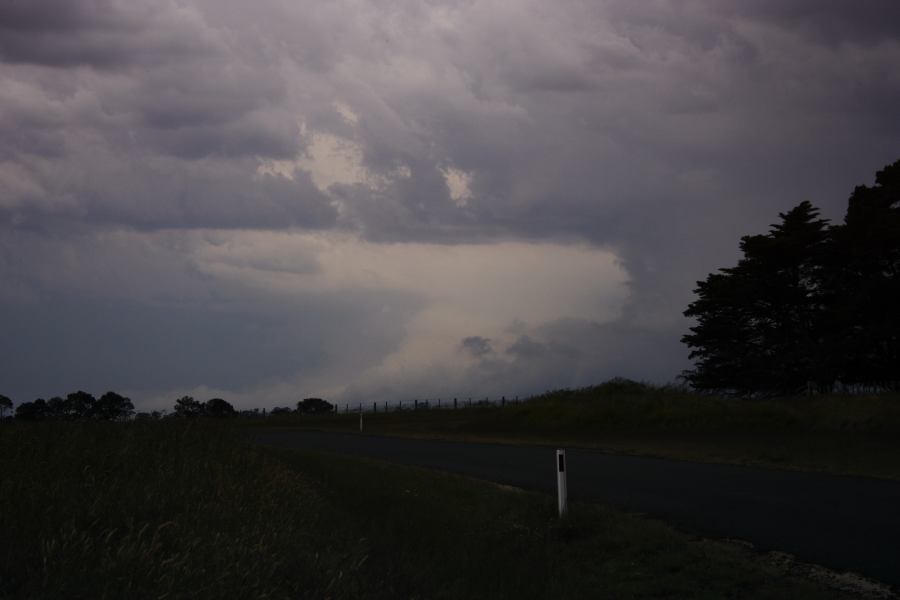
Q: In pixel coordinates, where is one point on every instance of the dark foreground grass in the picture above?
(435, 535)
(99, 510)
(174, 510)
(842, 434)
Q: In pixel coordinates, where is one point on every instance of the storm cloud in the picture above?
(325, 199)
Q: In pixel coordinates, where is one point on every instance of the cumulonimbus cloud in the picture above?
(349, 157)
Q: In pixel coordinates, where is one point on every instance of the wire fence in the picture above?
(425, 404)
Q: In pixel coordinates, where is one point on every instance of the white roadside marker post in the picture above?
(561, 482)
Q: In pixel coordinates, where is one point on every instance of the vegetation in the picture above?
(314, 406)
(184, 508)
(809, 306)
(82, 406)
(97, 510)
(77, 406)
(847, 434)
(188, 408)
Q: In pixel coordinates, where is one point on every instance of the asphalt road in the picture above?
(844, 523)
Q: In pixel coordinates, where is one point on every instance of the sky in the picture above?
(383, 201)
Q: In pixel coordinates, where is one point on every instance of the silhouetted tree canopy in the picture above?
(865, 284)
(807, 304)
(113, 407)
(32, 411)
(78, 405)
(312, 406)
(217, 407)
(187, 407)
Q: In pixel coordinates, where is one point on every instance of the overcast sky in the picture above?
(365, 201)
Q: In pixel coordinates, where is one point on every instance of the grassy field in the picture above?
(857, 435)
(178, 510)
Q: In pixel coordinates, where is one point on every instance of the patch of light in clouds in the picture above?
(490, 290)
(477, 287)
(459, 183)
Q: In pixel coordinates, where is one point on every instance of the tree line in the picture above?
(75, 406)
(810, 306)
(82, 406)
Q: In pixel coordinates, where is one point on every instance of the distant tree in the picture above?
(113, 407)
(5, 405)
(313, 406)
(218, 408)
(32, 411)
(79, 405)
(56, 408)
(759, 324)
(187, 407)
(281, 410)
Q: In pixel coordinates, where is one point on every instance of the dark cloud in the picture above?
(172, 339)
(102, 34)
(476, 346)
(180, 196)
(525, 347)
(829, 21)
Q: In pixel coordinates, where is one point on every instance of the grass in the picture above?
(434, 535)
(99, 510)
(175, 510)
(858, 435)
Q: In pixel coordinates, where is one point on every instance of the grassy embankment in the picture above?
(169, 510)
(857, 435)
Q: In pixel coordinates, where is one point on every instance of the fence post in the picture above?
(454, 404)
(415, 405)
(360, 419)
(562, 493)
(374, 407)
(503, 401)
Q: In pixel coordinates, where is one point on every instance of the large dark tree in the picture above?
(864, 270)
(758, 324)
(807, 303)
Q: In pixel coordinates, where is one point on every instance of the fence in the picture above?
(426, 404)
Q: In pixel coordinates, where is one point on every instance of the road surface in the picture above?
(843, 523)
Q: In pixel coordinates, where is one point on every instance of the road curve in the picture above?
(844, 523)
